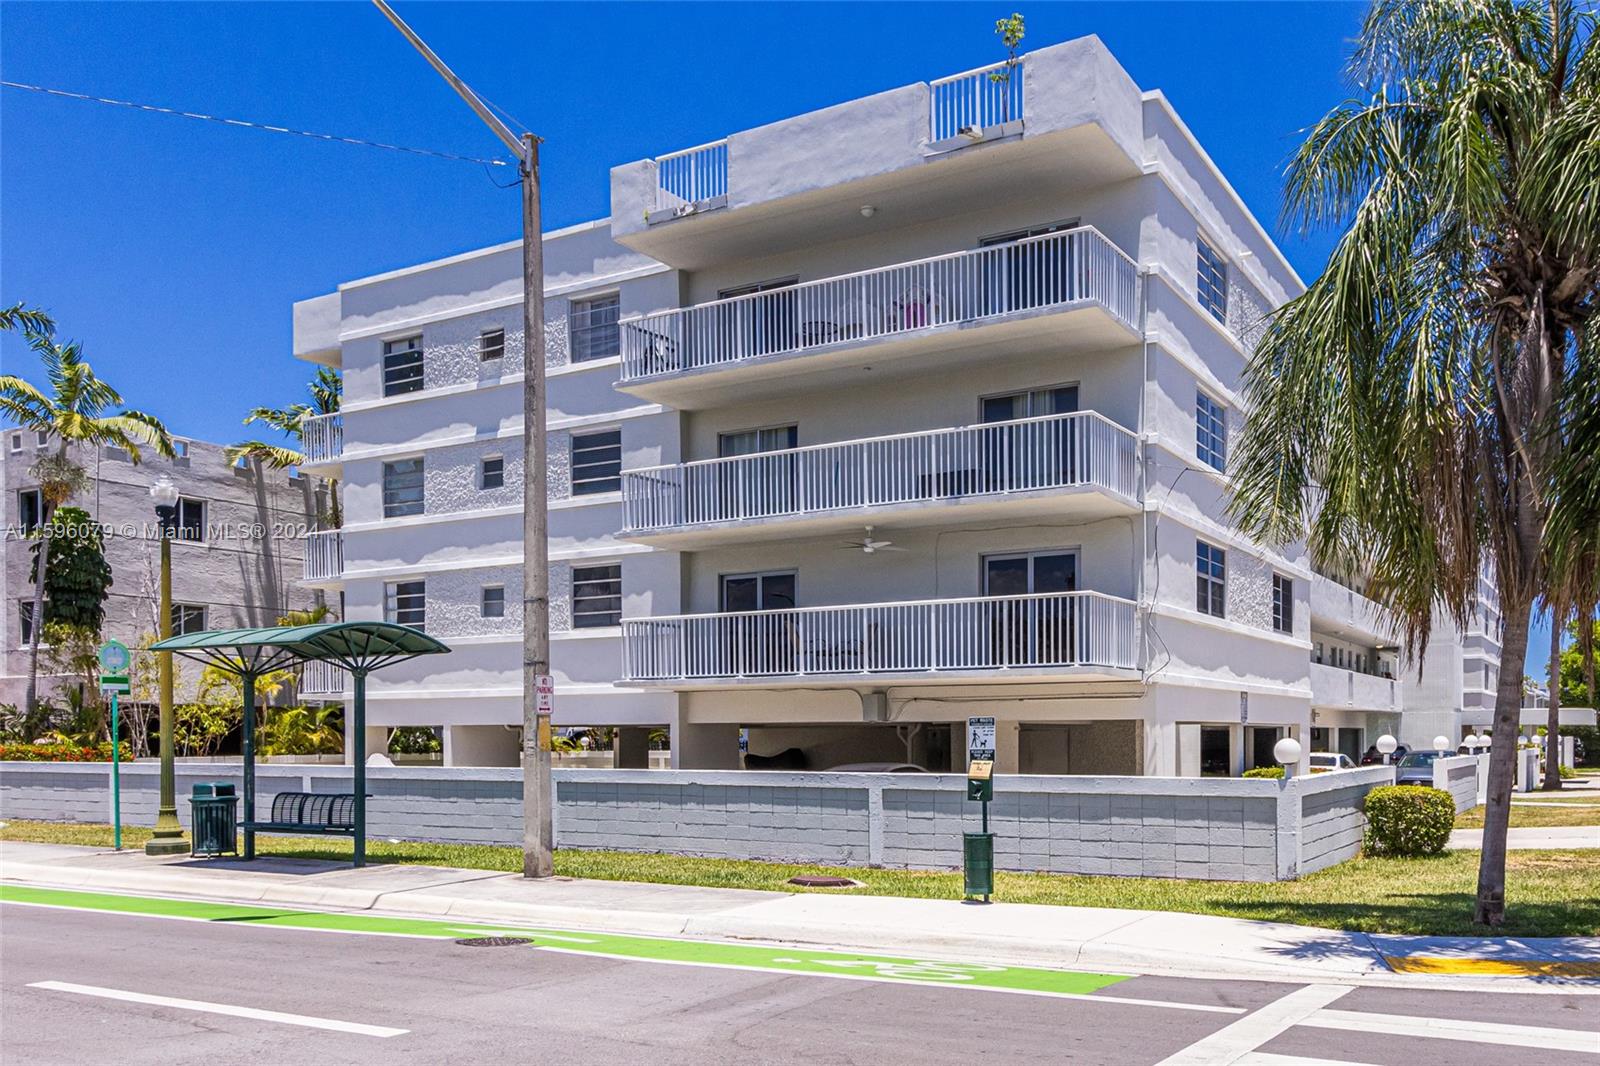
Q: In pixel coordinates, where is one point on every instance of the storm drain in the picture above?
(824, 881)
(493, 941)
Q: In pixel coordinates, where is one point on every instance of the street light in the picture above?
(1287, 752)
(1386, 745)
(1441, 743)
(168, 836)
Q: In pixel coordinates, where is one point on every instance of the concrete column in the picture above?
(1161, 752)
(1008, 747)
(704, 746)
(631, 749)
(481, 745)
(377, 742)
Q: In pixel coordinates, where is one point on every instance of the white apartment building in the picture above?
(862, 422)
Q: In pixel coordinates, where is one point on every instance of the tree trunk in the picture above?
(1552, 731)
(1516, 605)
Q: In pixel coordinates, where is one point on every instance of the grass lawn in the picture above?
(1550, 893)
(1532, 816)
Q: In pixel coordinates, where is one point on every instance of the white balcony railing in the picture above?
(965, 104)
(1000, 633)
(1051, 270)
(318, 678)
(324, 555)
(1056, 451)
(692, 176)
(322, 438)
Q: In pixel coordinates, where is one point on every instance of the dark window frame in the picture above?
(394, 505)
(406, 603)
(594, 469)
(1282, 603)
(497, 472)
(486, 601)
(402, 365)
(1211, 579)
(593, 327)
(1211, 279)
(1210, 430)
(491, 345)
(597, 596)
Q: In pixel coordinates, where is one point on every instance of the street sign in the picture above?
(980, 739)
(544, 694)
(114, 657)
(115, 683)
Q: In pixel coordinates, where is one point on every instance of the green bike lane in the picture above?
(779, 959)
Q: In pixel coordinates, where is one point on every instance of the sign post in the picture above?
(977, 849)
(114, 660)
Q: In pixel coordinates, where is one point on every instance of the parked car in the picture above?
(1417, 767)
(1374, 757)
(1324, 761)
(877, 768)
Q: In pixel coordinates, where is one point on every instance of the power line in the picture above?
(246, 124)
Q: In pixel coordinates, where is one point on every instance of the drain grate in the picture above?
(823, 881)
(493, 941)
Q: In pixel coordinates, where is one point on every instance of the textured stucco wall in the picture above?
(450, 348)
(455, 602)
(450, 477)
(1151, 827)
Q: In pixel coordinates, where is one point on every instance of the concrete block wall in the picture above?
(1203, 828)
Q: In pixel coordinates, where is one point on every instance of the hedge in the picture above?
(1408, 820)
(60, 753)
(1275, 772)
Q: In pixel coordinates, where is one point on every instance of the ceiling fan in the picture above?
(868, 546)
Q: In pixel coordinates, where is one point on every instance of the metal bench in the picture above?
(308, 812)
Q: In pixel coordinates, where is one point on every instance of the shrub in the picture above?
(1265, 771)
(1407, 820)
(60, 753)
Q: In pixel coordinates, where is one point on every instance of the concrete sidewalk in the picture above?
(1119, 941)
(1559, 836)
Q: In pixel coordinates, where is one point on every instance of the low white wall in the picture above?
(1458, 775)
(1203, 828)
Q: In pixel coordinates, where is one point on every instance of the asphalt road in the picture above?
(75, 988)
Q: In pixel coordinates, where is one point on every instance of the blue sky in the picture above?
(173, 249)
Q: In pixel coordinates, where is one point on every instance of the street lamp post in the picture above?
(168, 836)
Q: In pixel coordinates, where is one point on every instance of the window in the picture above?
(16, 442)
(30, 509)
(191, 519)
(41, 438)
(1211, 579)
(402, 488)
(491, 344)
(596, 596)
(188, 618)
(596, 462)
(25, 617)
(1282, 603)
(180, 448)
(494, 601)
(492, 472)
(406, 603)
(1211, 280)
(402, 366)
(1036, 403)
(1210, 431)
(595, 333)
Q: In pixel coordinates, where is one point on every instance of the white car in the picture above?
(1324, 761)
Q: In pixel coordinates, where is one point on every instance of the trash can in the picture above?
(213, 810)
(977, 864)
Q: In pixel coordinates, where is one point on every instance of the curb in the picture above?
(733, 925)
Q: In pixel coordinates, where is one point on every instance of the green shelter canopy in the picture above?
(359, 647)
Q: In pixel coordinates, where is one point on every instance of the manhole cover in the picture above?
(816, 881)
(493, 941)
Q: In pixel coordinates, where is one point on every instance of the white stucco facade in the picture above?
(822, 335)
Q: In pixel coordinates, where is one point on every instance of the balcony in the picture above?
(1341, 610)
(1340, 689)
(1001, 638)
(324, 558)
(322, 439)
(322, 680)
(1074, 290)
(975, 472)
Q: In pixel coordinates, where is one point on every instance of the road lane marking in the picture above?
(790, 960)
(1266, 1058)
(1478, 1032)
(1491, 967)
(1232, 1043)
(304, 1020)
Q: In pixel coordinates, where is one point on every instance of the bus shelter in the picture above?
(358, 647)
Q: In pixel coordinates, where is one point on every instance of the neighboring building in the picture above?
(913, 408)
(236, 560)
(1454, 692)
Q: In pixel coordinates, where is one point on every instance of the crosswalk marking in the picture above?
(1231, 1043)
(1478, 1032)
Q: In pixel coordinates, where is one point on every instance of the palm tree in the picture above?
(1419, 411)
(325, 390)
(73, 411)
(27, 319)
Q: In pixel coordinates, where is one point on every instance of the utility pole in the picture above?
(538, 838)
